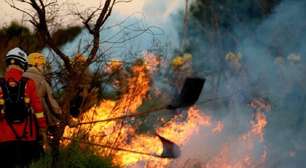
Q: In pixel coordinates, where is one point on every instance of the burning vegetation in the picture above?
(250, 55)
(110, 128)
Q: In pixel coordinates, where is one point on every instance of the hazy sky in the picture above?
(149, 12)
(159, 9)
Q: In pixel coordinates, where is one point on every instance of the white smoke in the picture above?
(278, 35)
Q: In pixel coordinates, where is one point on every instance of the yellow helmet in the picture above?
(177, 61)
(232, 57)
(180, 60)
(115, 63)
(36, 59)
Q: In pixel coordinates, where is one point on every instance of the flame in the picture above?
(259, 125)
(152, 61)
(240, 153)
(120, 134)
(113, 65)
(219, 128)
(110, 133)
(180, 132)
(174, 130)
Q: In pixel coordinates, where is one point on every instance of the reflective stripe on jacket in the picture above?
(6, 131)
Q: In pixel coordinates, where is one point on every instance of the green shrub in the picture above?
(74, 157)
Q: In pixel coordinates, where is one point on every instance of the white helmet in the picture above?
(16, 56)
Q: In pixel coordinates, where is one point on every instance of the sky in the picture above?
(160, 9)
(156, 13)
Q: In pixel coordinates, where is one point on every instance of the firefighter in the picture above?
(233, 60)
(53, 112)
(259, 105)
(236, 85)
(181, 68)
(22, 117)
(279, 60)
(116, 82)
(236, 76)
(114, 65)
(85, 86)
(82, 75)
(296, 96)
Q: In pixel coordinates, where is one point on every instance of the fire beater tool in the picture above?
(170, 149)
(188, 96)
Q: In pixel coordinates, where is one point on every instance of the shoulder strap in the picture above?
(22, 84)
(21, 88)
(24, 80)
(4, 88)
(2, 82)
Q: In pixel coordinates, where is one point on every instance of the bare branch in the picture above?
(42, 5)
(51, 4)
(89, 18)
(102, 15)
(105, 13)
(33, 22)
(23, 1)
(42, 27)
(124, 1)
(12, 5)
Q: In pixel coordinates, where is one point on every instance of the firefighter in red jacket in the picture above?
(19, 143)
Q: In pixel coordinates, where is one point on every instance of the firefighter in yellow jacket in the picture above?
(181, 68)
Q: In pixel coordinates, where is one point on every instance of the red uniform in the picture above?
(31, 131)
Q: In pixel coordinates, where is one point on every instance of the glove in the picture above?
(73, 123)
(43, 135)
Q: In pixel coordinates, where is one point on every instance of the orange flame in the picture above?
(240, 152)
(111, 132)
(152, 61)
(120, 134)
(259, 125)
(219, 128)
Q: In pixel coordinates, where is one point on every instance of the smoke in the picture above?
(266, 70)
(133, 28)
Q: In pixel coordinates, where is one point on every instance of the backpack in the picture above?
(14, 109)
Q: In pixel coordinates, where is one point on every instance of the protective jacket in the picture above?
(26, 130)
(180, 74)
(51, 108)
